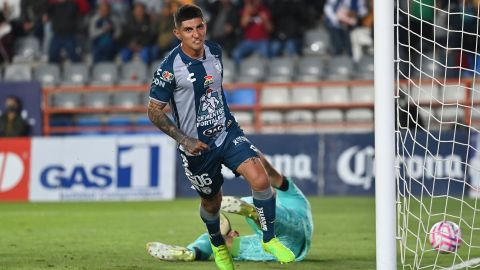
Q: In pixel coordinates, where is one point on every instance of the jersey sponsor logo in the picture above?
(191, 77)
(167, 76)
(240, 139)
(132, 163)
(14, 169)
(213, 130)
(158, 82)
(210, 110)
(208, 80)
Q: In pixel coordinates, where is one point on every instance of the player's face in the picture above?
(192, 34)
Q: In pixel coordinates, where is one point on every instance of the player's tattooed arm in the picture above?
(160, 119)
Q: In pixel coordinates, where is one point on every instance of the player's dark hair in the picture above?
(185, 13)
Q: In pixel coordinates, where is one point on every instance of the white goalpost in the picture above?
(427, 131)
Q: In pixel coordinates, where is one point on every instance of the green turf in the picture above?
(113, 235)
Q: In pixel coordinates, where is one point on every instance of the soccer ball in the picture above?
(445, 236)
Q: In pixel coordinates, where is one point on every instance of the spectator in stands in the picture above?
(340, 17)
(224, 25)
(64, 16)
(255, 21)
(164, 25)
(32, 12)
(11, 122)
(362, 35)
(289, 21)
(6, 40)
(119, 9)
(104, 33)
(139, 35)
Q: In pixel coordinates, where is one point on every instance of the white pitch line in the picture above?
(465, 264)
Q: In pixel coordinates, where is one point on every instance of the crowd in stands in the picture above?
(106, 30)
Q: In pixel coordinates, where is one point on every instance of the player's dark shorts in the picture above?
(204, 171)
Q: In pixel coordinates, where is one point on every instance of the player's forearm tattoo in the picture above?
(158, 117)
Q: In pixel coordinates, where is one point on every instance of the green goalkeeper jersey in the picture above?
(293, 226)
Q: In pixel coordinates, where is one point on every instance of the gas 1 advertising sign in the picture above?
(102, 168)
(296, 156)
(424, 160)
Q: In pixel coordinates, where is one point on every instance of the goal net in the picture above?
(437, 59)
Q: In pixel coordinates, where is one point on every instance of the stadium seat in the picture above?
(26, 50)
(244, 118)
(253, 67)
(18, 72)
(299, 116)
(271, 117)
(243, 96)
(425, 93)
(359, 115)
(452, 94)
(329, 116)
(75, 75)
(121, 124)
(307, 78)
(247, 79)
(275, 96)
(312, 66)
(365, 68)
(450, 114)
(340, 68)
(105, 73)
(282, 67)
(125, 99)
(92, 122)
(133, 73)
(334, 94)
(278, 79)
(47, 74)
(67, 100)
(153, 68)
(229, 71)
(363, 94)
(97, 99)
(305, 95)
(317, 42)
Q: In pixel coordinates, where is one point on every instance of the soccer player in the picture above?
(294, 227)
(190, 79)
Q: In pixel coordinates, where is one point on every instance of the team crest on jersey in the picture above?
(209, 102)
(208, 80)
(167, 76)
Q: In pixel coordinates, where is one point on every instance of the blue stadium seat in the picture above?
(244, 96)
(119, 121)
(90, 121)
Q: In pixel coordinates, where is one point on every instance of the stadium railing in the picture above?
(257, 108)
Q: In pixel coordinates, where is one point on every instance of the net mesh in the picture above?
(437, 132)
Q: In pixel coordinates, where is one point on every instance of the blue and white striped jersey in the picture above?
(193, 87)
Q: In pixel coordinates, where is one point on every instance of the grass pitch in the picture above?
(113, 235)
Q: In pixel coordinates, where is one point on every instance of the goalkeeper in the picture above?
(293, 226)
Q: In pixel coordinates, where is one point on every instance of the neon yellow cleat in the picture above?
(223, 259)
(170, 252)
(277, 249)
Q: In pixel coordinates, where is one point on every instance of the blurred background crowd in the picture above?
(108, 30)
